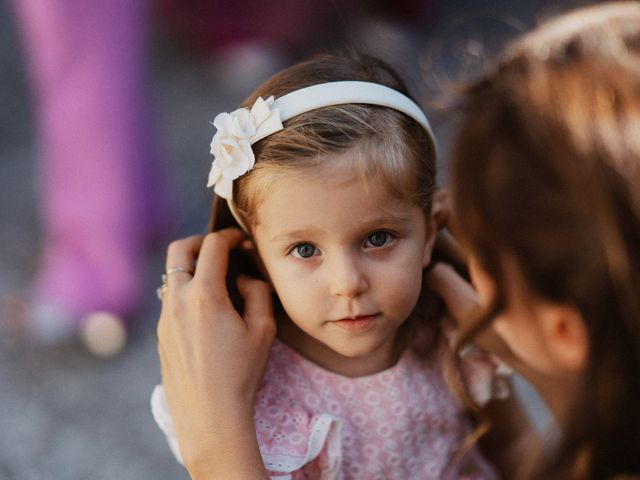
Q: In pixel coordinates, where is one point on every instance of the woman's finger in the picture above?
(213, 260)
(180, 262)
(458, 294)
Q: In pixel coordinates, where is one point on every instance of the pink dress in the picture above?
(402, 423)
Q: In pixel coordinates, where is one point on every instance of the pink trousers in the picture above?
(102, 191)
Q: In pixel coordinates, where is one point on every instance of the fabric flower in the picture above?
(231, 144)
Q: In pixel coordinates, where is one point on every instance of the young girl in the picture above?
(546, 175)
(337, 202)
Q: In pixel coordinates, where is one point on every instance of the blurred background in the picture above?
(104, 138)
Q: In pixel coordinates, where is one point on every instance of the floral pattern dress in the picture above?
(401, 423)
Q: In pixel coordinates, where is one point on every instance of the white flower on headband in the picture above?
(231, 144)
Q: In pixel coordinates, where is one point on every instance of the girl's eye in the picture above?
(378, 239)
(304, 250)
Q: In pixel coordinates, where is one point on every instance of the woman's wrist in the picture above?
(232, 452)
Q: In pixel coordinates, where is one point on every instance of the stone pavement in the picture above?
(63, 414)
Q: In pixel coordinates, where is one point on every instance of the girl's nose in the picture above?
(347, 278)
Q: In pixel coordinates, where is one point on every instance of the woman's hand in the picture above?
(457, 293)
(212, 358)
(462, 301)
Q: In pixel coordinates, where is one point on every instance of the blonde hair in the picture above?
(387, 144)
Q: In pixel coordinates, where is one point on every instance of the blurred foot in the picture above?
(103, 334)
(46, 325)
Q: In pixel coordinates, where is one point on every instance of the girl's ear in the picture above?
(566, 336)
(430, 234)
(438, 218)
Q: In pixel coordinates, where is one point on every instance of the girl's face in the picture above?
(345, 259)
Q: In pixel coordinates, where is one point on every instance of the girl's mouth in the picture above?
(361, 323)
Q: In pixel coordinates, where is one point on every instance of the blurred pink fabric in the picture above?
(102, 192)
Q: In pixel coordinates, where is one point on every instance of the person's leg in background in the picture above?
(102, 192)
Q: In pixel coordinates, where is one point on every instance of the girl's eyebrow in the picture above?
(300, 233)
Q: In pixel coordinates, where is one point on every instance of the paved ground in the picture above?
(65, 415)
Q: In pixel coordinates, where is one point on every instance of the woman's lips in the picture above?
(357, 323)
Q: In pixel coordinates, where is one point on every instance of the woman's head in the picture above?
(546, 175)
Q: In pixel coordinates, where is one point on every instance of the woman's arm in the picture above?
(213, 359)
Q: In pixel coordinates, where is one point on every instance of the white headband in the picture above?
(238, 130)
